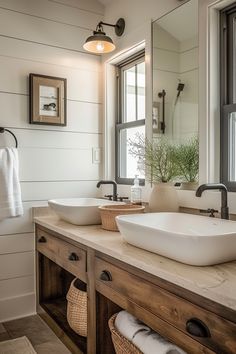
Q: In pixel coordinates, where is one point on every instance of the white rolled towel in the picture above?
(152, 343)
(128, 325)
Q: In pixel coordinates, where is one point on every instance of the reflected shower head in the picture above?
(180, 87)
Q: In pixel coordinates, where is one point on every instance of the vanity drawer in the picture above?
(203, 326)
(66, 255)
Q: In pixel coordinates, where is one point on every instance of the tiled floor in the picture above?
(40, 335)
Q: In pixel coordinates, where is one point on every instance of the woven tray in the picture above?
(121, 344)
(109, 213)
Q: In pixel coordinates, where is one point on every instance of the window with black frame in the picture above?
(228, 97)
(130, 116)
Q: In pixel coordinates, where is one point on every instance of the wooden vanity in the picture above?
(197, 323)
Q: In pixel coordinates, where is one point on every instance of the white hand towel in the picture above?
(152, 343)
(128, 325)
(10, 192)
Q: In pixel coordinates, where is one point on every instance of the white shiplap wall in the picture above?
(45, 37)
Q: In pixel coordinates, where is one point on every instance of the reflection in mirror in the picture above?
(175, 73)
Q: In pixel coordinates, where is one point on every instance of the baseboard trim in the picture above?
(17, 307)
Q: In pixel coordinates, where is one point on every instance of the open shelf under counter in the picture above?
(53, 285)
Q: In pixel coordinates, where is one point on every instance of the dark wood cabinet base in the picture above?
(190, 321)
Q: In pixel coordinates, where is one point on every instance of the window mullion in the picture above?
(136, 92)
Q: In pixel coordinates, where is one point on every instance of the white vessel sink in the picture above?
(79, 211)
(191, 239)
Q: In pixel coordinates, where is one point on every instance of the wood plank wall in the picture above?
(45, 37)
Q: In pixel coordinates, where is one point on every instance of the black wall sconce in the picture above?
(99, 42)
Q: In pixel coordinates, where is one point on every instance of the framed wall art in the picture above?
(47, 100)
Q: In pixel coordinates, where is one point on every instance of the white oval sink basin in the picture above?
(191, 239)
(79, 211)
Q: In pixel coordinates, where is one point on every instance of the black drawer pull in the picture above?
(106, 276)
(197, 328)
(42, 239)
(73, 257)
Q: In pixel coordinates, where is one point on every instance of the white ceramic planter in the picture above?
(164, 197)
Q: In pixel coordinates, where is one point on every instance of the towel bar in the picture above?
(3, 130)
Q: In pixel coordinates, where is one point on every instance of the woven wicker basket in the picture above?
(109, 213)
(121, 344)
(77, 309)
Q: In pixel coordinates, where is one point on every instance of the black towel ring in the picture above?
(3, 130)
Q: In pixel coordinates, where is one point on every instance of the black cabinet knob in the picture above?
(106, 276)
(73, 257)
(42, 239)
(197, 328)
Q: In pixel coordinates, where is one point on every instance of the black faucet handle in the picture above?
(122, 198)
(109, 196)
(209, 211)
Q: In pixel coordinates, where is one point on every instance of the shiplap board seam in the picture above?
(49, 64)
(43, 62)
(76, 7)
(54, 130)
(45, 54)
(20, 276)
(188, 50)
(62, 35)
(27, 95)
(82, 85)
(176, 51)
(54, 148)
(17, 233)
(8, 253)
(14, 93)
(20, 233)
(167, 50)
(49, 45)
(45, 18)
(188, 71)
(17, 296)
(61, 180)
(72, 100)
(175, 72)
(166, 71)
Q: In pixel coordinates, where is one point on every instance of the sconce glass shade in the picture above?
(99, 43)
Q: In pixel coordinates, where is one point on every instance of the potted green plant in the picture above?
(157, 158)
(186, 158)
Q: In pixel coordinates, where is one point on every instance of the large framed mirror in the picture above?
(175, 74)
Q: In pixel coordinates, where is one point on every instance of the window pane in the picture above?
(129, 95)
(141, 90)
(232, 146)
(130, 166)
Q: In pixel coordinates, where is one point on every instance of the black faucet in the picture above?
(224, 196)
(114, 196)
